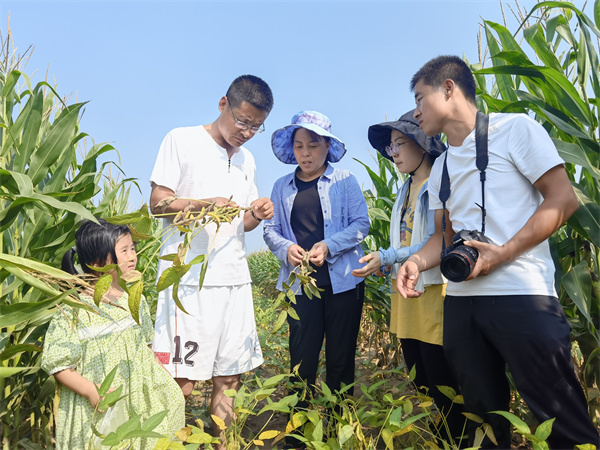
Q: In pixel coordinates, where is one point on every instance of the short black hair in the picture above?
(251, 89)
(94, 242)
(445, 67)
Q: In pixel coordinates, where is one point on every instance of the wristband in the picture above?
(255, 218)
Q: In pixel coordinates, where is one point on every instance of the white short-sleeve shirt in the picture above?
(520, 152)
(194, 166)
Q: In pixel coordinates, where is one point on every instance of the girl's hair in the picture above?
(95, 242)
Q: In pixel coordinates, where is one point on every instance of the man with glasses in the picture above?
(206, 165)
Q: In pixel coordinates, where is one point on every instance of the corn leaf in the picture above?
(58, 138)
(578, 284)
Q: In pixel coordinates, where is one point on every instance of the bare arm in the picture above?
(73, 380)
(559, 204)
(161, 192)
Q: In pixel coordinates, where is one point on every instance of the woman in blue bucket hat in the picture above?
(418, 323)
(320, 210)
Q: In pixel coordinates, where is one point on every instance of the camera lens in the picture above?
(459, 263)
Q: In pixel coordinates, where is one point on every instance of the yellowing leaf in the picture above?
(167, 278)
(473, 417)
(280, 321)
(135, 297)
(132, 276)
(201, 438)
(175, 294)
(162, 444)
(218, 422)
(404, 430)
(388, 438)
(258, 443)
(184, 433)
(447, 391)
(199, 422)
(102, 286)
(490, 433)
(269, 434)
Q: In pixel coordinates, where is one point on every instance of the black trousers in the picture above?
(335, 317)
(531, 335)
(432, 370)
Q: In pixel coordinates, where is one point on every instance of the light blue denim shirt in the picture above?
(345, 218)
(399, 254)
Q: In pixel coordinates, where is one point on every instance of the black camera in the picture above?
(458, 260)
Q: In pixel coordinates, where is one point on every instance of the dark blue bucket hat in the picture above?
(380, 135)
(282, 144)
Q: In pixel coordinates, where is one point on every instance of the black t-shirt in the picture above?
(307, 223)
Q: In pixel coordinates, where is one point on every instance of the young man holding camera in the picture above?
(506, 311)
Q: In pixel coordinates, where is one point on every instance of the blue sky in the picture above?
(148, 67)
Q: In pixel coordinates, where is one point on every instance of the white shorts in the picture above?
(217, 338)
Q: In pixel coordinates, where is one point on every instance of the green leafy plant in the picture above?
(287, 298)
(264, 270)
(46, 190)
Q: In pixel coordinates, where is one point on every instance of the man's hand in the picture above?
(318, 253)
(491, 257)
(262, 208)
(295, 254)
(407, 280)
(373, 261)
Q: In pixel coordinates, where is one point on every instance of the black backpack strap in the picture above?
(481, 161)
(444, 196)
(481, 145)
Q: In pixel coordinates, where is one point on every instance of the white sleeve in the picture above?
(530, 148)
(434, 183)
(167, 168)
(253, 193)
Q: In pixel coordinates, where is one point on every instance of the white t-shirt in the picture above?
(194, 166)
(520, 152)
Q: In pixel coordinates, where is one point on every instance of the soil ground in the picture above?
(198, 404)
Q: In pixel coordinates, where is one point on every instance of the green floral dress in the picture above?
(94, 344)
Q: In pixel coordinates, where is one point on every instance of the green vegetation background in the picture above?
(51, 179)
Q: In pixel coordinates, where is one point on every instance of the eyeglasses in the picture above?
(394, 149)
(244, 125)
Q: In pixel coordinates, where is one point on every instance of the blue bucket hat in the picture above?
(380, 135)
(282, 144)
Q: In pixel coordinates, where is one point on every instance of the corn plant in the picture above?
(380, 201)
(46, 190)
(553, 75)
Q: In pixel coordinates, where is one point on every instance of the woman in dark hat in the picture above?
(418, 323)
(320, 210)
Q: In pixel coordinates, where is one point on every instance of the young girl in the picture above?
(417, 323)
(82, 347)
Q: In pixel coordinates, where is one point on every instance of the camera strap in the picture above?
(481, 146)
